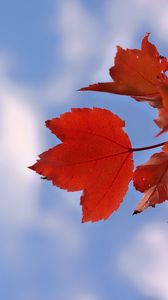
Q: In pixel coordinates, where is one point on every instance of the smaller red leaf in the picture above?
(163, 90)
(137, 73)
(162, 120)
(152, 179)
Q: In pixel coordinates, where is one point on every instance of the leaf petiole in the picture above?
(148, 147)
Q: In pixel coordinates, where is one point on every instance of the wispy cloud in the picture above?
(19, 144)
(79, 33)
(145, 261)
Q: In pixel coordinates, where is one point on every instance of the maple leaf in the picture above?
(95, 156)
(163, 89)
(152, 179)
(136, 73)
(162, 120)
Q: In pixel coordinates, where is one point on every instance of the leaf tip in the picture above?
(136, 212)
(31, 167)
(47, 123)
(83, 89)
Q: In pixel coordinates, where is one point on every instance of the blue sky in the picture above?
(49, 49)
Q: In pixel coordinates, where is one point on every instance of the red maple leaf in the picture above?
(137, 73)
(95, 156)
(162, 120)
(163, 90)
(152, 179)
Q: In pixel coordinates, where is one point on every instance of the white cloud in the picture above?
(145, 261)
(19, 145)
(79, 33)
(76, 26)
(153, 11)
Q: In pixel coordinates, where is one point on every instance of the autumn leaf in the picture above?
(152, 179)
(163, 90)
(162, 120)
(94, 156)
(137, 73)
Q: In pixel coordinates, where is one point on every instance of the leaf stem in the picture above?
(148, 147)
